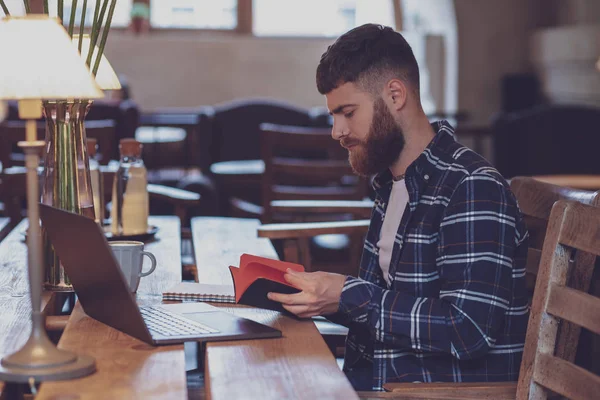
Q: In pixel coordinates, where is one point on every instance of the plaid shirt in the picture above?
(456, 309)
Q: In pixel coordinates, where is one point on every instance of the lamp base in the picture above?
(80, 367)
(41, 360)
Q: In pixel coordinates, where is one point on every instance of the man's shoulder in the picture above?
(459, 164)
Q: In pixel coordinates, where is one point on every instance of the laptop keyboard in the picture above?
(164, 323)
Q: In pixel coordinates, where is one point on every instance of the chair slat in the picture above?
(565, 378)
(309, 229)
(574, 306)
(453, 391)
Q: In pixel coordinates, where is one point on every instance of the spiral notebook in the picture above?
(191, 291)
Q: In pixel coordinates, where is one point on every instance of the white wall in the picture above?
(186, 69)
(565, 55)
(492, 42)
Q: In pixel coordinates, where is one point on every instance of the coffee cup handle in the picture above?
(153, 260)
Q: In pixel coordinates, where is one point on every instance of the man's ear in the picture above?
(395, 93)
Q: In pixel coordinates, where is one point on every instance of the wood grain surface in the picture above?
(126, 367)
(15, 304)
(298, 365)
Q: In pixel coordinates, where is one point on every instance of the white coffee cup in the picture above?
(129, 256)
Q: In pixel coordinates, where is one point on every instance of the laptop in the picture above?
(104, 294)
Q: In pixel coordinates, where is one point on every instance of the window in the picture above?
(195, 14)
(437, 17)
(317, 17)
(120, 17)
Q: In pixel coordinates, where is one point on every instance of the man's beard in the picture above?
(382, 146)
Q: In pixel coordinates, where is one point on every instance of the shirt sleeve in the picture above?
(476, 250)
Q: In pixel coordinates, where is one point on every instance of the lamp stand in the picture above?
(39, 359)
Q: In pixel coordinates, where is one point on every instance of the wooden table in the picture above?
(126, 367)
(585, 182)
(297, 365)
(15, 305)
(238, 179)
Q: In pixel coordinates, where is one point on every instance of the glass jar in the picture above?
(97, 183)
(130, 204)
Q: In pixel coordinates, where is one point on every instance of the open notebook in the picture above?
(191, 291)
(252, 280)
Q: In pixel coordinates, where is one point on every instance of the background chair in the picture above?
(550, 139)
(169, 163)
(307, 177)
(235, 136)
(12, 132)
(125, 115)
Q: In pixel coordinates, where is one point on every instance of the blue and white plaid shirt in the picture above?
(456, 309)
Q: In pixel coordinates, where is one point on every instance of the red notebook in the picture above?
(258, 276)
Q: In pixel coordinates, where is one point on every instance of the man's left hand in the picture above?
(320, 293)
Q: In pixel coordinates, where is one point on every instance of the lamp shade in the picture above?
(106, 77)
(39, 62)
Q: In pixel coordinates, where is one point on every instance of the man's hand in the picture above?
(320, 293)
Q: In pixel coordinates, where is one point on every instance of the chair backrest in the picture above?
(305, 163)
(13, 193)
(197, 122)
(236, 132)
(104, 131)
(125, 113)
(536, 199)
(518, 138)
(561, 306)
(12, 132)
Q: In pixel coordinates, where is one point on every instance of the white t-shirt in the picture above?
(393, 216)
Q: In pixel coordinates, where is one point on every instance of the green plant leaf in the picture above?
(104, 36)
(4, 8)
(72, 19)
(81, 25)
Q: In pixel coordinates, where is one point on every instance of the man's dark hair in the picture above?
(369, 56)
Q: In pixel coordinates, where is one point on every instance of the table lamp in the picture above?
(40, 63)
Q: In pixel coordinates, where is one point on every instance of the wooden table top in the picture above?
(238, 167)
(126, 367)
(298, 365)
(585, 182)
(15, 305)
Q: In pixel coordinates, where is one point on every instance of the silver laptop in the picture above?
(104, 294)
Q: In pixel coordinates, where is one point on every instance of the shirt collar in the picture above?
(424, 166)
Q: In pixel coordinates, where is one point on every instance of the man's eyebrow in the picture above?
(339, 109)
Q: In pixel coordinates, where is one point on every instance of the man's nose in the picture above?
(338, 130)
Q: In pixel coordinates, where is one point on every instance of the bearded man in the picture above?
(441, 292)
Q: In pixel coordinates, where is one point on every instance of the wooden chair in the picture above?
(536, 199)
(11, 132)
(13, 193)
(307, 177)
(104, 131)
(235, 135)
(516, 138)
